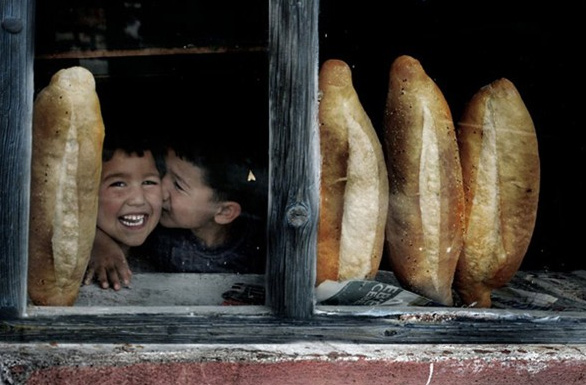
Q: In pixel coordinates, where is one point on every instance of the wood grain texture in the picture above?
(16, 99)
(294, 148)
(397, 326)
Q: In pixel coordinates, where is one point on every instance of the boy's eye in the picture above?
(152, 182)
(117, 183)
(177, 185)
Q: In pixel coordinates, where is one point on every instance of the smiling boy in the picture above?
(129, 208)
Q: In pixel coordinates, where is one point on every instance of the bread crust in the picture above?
(501, 171)
(426, 204)
(67, 139)
(353, 182)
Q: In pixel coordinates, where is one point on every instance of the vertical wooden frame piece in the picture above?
(294, 156)
(16, 99)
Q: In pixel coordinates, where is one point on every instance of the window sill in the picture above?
(184, 324)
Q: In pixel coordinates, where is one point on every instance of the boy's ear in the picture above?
(228, 211)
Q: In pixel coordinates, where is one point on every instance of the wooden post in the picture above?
(16, 100)
(294, 150)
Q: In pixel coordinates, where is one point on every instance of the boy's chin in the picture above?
(131, 242)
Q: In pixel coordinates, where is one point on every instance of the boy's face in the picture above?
(130, 197)
(188, 202)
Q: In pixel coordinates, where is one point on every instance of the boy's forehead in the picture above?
(123, 160)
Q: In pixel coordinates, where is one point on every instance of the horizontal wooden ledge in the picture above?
(98, 54)
(255, 325)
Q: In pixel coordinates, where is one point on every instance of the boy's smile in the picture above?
(133, 220)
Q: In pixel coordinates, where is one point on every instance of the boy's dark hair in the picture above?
(132, 144)
(231, 175)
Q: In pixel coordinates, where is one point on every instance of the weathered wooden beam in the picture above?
(413, 327)
(16, 99)
(293, 147)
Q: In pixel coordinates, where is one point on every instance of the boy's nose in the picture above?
(137, 197)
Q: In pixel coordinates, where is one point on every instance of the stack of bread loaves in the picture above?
(462, 199)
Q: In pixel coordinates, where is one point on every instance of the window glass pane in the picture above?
(462, 47)
(191, 76)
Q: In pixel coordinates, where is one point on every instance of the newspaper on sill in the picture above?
(367, 293)
(541, 290)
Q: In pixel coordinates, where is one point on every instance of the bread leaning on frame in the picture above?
(353, 182)
(67, 140)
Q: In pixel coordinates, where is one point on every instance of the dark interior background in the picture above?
(463, 45)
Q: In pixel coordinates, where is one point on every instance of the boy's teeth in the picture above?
(132, 220)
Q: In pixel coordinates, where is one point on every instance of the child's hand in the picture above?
(107, 265)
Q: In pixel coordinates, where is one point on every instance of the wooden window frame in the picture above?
(290, 313)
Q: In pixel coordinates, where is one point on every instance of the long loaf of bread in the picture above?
(501, 171)
(68, 134)
(426, 202)
(353, 184)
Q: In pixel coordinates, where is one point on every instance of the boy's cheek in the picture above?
(155, 199)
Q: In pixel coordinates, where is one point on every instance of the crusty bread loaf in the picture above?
(501, 171)
(426, 204)
(354, 182)
(67, 139)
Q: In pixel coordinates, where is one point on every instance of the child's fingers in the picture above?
(125, 276)
(102, 278)
(89, 276)
(113, 278)
(124, 273)
(114, 274)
